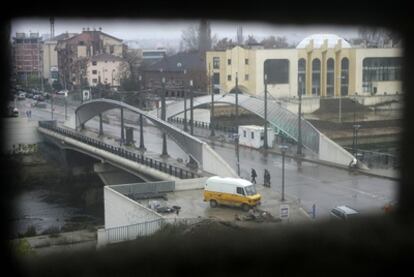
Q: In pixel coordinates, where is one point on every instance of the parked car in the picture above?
(344, 212)
(40, 98)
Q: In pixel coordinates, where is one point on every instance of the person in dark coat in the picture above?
(266, 178)
(253, 175)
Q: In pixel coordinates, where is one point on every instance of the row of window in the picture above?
(216, 62)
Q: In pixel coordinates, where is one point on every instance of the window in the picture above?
(330, 77)
(316, 77)
(380, 69)
(302, 76)
(240, 191)
(246, 61)
(216, 62)
(94, 63)
(229, 77)
(111, 49)
(216, 78)
(244, 133)
(246, 77)
(250, 190)
(277, 71)
(252, 135)
(344, 76)
(228, 61)
(94, 81)
(94, 72)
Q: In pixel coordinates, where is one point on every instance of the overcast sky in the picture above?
(169, 29)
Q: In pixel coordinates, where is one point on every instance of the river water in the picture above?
(46, 210)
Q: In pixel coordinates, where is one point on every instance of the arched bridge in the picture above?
(208, 160)
(278, 117)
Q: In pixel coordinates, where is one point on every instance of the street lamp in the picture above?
(163, 117)
(340, 98)
(283, 148)
(299, 150)
(212, 104)
(191, 109)
(185, 105)
(236, 138)
(265, 144)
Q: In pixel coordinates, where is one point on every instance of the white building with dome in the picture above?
(322, 65)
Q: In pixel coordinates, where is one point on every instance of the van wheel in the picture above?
(213, 203)
(245, 207)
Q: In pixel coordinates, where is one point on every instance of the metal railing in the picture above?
(138, 158)
(131, 232)
(201, 124)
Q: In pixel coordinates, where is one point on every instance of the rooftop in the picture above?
(319, 39)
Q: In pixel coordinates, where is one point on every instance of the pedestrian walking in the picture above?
(266, 178)
(253, 175)
(30, 113)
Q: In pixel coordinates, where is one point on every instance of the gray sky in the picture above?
(170, 29)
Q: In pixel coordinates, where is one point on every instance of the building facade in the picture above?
(107, 70)
(322, 65)
(27, 57)
(75, 52)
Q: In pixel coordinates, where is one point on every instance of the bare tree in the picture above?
(189, 38)
(374, 36)
(275, 42)
(251, 40)
(223, 44)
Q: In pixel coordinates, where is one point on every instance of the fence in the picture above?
(131, 232)
(376, 159)
(139, 189)
(201, 124)
(139, 158)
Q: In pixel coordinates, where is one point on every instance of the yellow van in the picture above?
(231, 191)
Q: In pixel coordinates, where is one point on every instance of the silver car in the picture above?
(343, 212)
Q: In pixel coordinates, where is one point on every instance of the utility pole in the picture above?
(185, 105)
(300, 90)
(283, 148)
(191, 109)
(237, 103)
(212, 103)
(163, 117)
(265, 144)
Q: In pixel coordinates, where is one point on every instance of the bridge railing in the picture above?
(138, 158)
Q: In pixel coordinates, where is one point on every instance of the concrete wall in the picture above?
(377, 99)
(19, 131)
(387, 87)
(331, 152)
(121, 210)
(213, 163)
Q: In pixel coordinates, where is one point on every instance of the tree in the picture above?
(275, 42)
(375, 36)
(224, 44)
(251, 40)
(190, 39)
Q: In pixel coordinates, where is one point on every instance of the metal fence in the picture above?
(138, 158)
(131, 232)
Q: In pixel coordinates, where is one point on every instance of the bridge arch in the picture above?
(280, 118)
(207, 159)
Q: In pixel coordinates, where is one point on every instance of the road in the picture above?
(326, 187)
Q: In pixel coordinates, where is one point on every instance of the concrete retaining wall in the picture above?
(122, 211)
(331, 152)
(19, 131)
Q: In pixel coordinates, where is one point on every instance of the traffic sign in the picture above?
(284, 211)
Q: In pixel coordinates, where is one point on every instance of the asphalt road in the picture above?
(326, 187)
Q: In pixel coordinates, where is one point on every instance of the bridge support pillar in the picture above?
(100, 125)
(141, 133)
(122, 126)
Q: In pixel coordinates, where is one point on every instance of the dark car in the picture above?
(344, 213)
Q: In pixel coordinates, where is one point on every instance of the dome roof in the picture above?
(318, 40)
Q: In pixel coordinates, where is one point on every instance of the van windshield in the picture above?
(250, 190)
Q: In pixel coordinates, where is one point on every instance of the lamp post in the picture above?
(299, 150)
(265, 144)
(236, 138)
(163, 117)
(212, 104)
(283, 148)
(191, 109)
(185, 105)
(340, 78)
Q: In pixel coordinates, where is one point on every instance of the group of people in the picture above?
(266, 177)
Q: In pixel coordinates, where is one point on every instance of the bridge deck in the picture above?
(167, 165)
